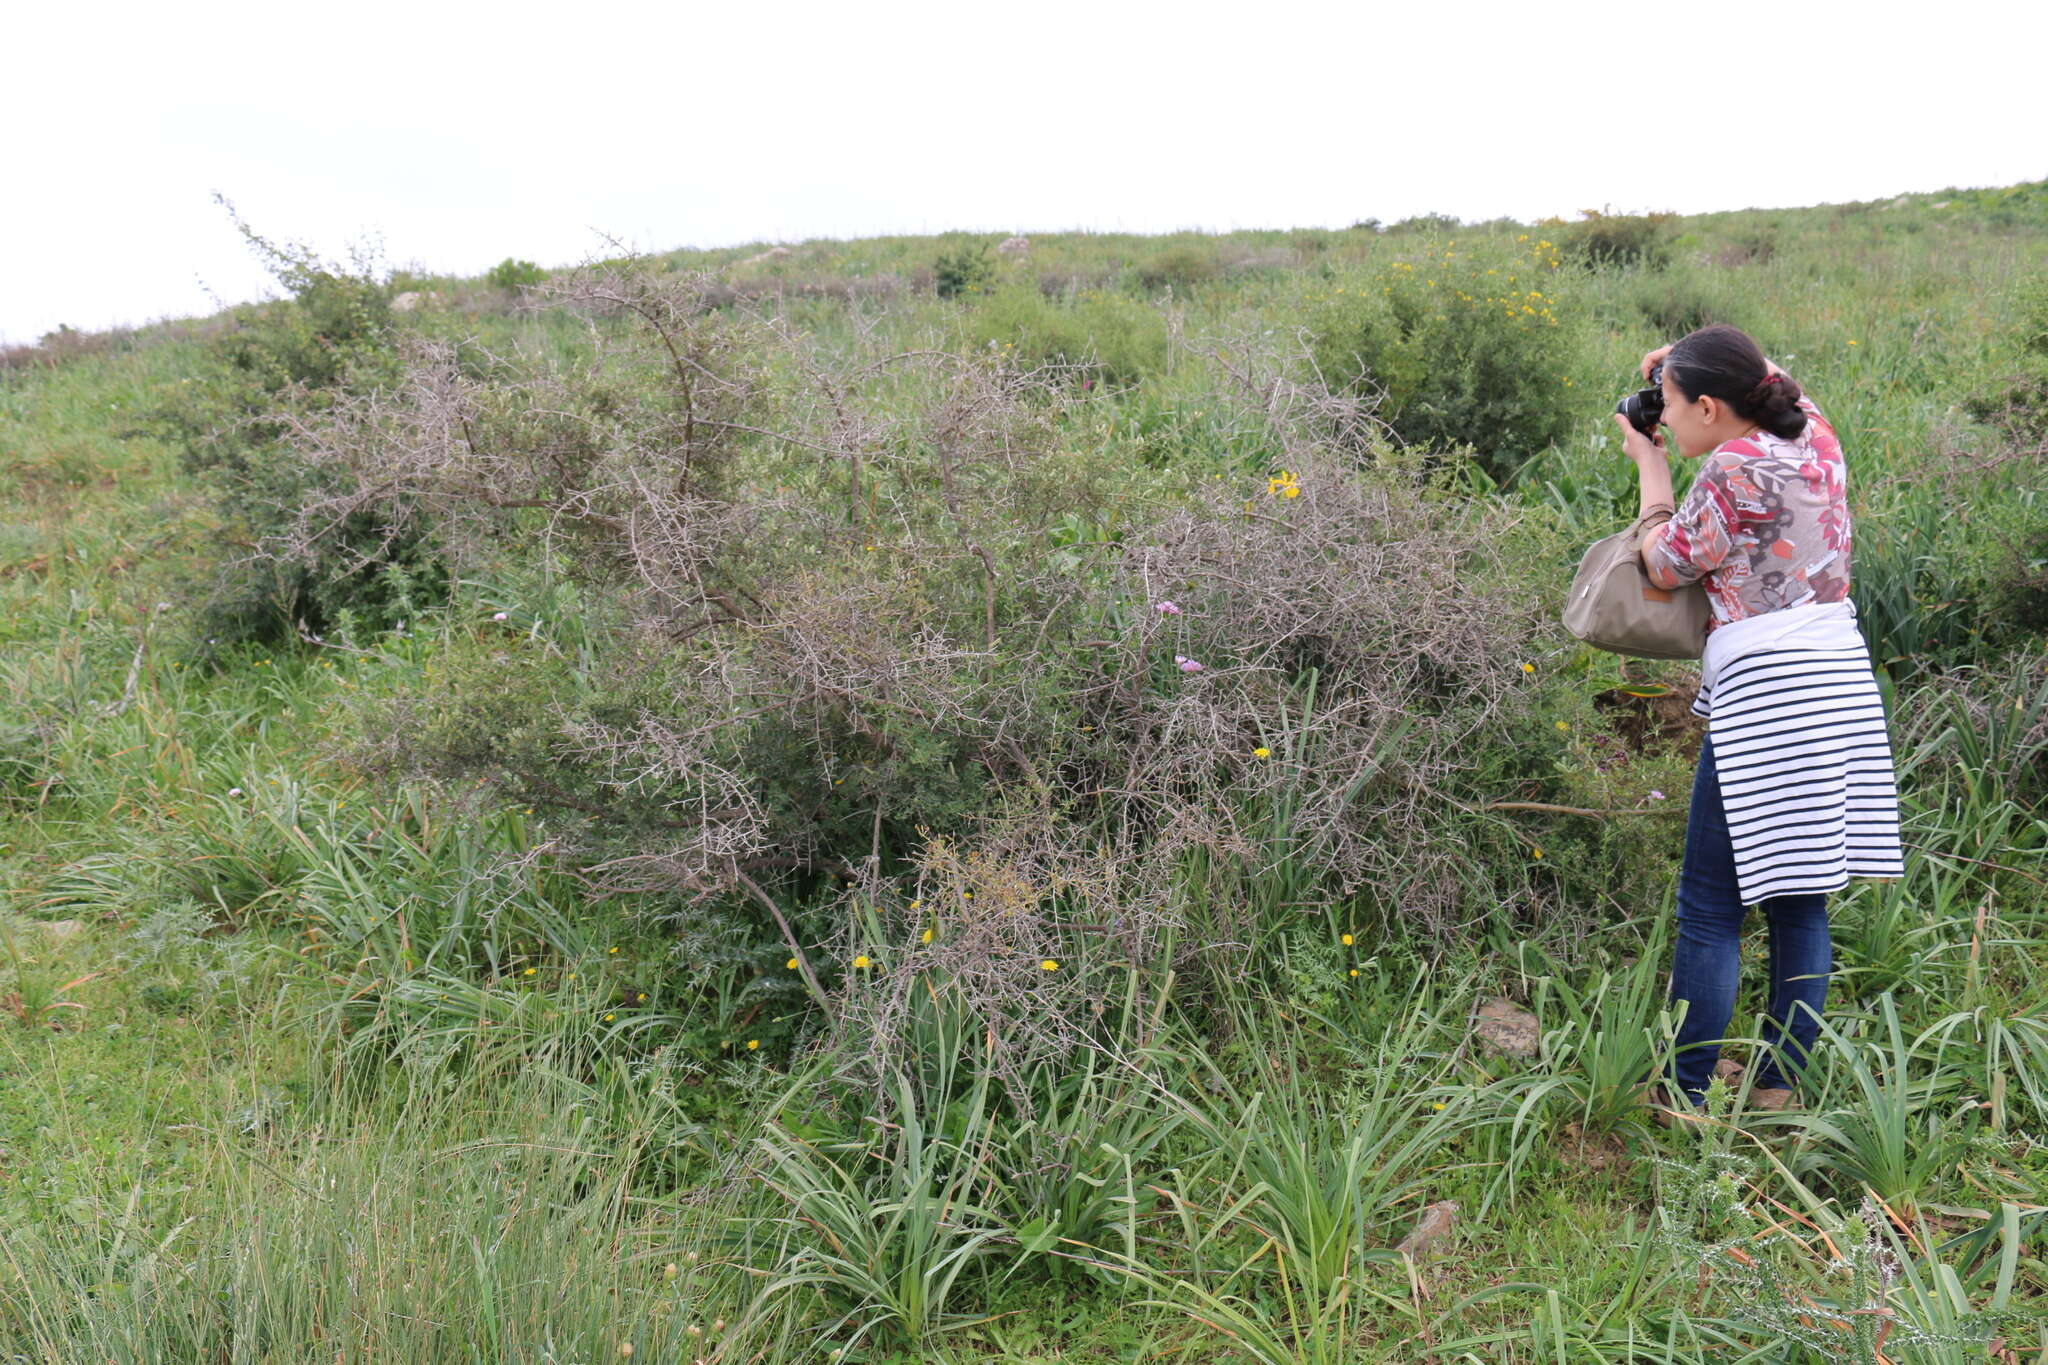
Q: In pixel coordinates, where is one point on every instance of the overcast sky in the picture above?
(457, 136)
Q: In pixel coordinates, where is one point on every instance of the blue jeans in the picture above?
(1707, 956)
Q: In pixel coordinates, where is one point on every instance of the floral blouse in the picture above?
(1766, 524)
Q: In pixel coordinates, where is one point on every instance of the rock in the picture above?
(1508, 1028)
(1595, 1154)
(1942, 205)
(1435, 1223)
(771, 255)
(1012, 247)
(406, 302)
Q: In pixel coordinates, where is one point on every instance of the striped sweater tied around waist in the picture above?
(1802, 752)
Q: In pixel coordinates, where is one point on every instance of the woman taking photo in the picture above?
(1795, 792)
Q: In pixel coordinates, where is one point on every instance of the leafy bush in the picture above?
(280, 364)
(1422, 224)
(1180, 267)
(964, 270)
(512, 274)
(1475, 349)
(1616, 239)
(1115, 340)
(1675, 301)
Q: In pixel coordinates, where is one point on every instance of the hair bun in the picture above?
(1774, 405)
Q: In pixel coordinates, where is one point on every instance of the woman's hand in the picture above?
(1637, 446)
(1654, 359)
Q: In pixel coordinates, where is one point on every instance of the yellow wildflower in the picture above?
(1528, 668)
(1049, 965)
(862, 961)
(1345, 940)
(927, 936)
(1262, 752)
(791, 964)
(753, 1044)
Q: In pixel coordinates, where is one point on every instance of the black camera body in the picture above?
(1645, 407)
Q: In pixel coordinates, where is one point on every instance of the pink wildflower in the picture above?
(1187, 665)
(1166, 608)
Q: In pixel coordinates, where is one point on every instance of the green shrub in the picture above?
(1430, 224)
(278, 363)
(1674, 302)
(1616, 239)
(1466, 349)
(1179, 267)
(512, 274)
(1117, 340)
(964, 270)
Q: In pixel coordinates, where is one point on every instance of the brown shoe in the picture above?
(1668, 1114)
(1772, 1099)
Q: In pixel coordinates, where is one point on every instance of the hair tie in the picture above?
(1770, 380)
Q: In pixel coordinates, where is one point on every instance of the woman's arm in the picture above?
(1653, 478)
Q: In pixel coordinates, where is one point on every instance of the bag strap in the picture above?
(1656, 515)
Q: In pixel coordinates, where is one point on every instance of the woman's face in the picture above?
(1691, 422)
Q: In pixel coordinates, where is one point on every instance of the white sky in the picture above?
(461, 134)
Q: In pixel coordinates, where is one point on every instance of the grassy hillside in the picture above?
(920, 799)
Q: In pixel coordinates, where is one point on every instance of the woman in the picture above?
(1795, 791)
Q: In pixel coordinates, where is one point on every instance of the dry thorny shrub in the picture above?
(853, 542)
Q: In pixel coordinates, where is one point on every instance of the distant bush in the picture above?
(2017, 399)
(512, 275)
(964, 270)
(1674, 302)
(1118, 340)
(1179, 267)
(1754, 243)
(1432, 224)
(1465, 349)
(64, 344)
(1616, 239)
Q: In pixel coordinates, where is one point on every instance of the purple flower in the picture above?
(1187, 665)
(1656, 796)
(1166, 608)
(498, 616)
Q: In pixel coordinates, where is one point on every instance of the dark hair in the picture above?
(1723, 361)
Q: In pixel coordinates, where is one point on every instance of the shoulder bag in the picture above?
(1614, 606)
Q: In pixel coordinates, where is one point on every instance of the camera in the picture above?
(1645, 407)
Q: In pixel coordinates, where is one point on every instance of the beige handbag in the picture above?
(1614, 606)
